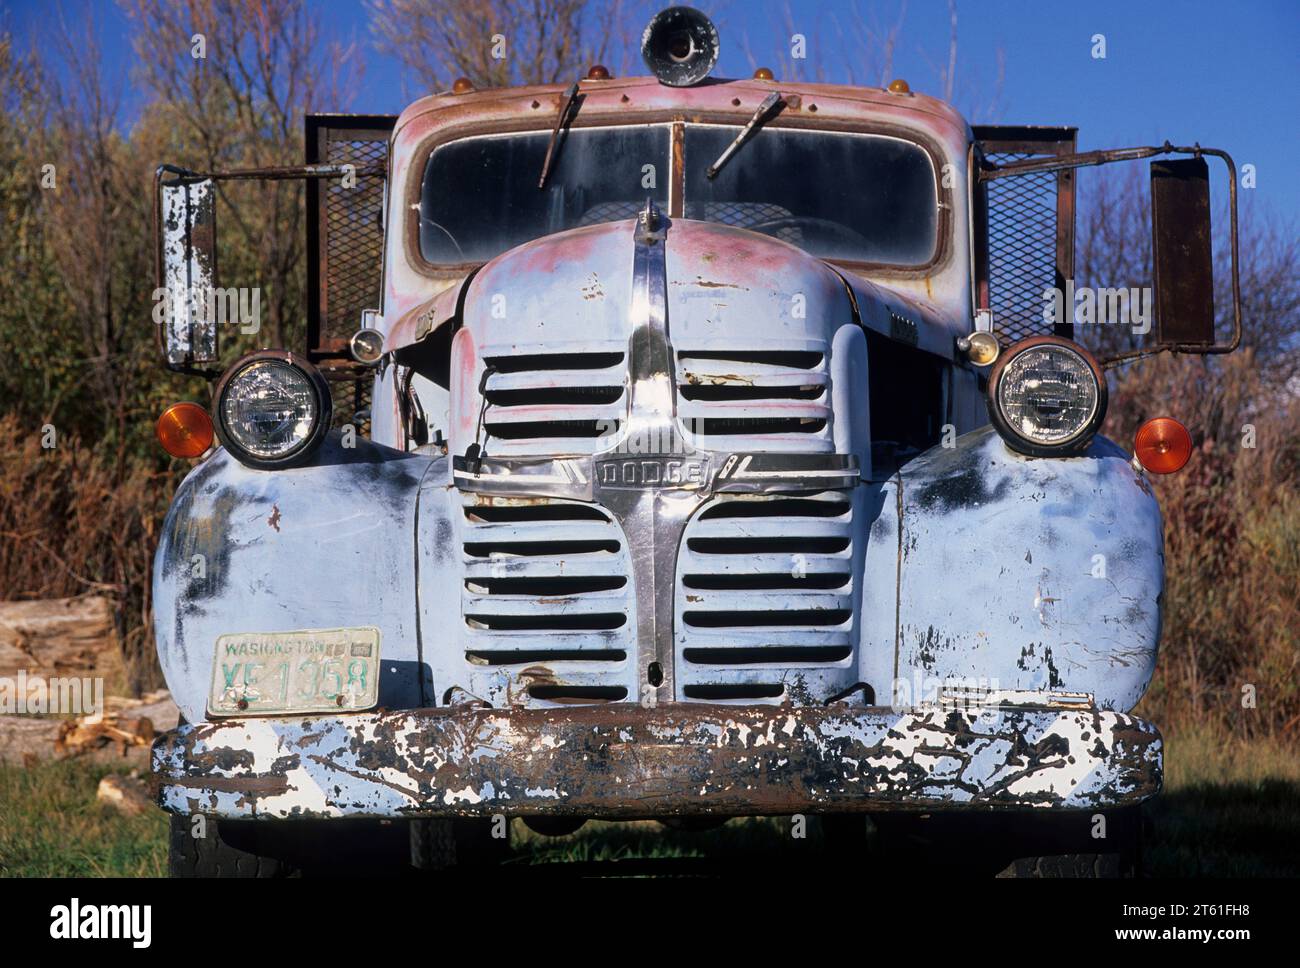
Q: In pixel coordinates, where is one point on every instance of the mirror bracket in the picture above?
(185, 270)
(186, 254)
(1083, 159)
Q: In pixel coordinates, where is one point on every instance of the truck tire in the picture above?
(1023, 844)
(212, 856)
(439, 844)
(1101, 866)
(1076, 855)
(844, 834)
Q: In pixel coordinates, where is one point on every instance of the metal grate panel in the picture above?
(345, 235)
(351, 399)
(354, 230)
(1022, 250)
(1029, 233)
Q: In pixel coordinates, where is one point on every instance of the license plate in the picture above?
(313, 670)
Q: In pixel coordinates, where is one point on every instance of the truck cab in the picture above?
(697, 473)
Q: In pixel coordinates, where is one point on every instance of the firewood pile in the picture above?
(116, 726)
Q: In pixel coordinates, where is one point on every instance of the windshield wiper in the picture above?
(769, 106)
(566, 109)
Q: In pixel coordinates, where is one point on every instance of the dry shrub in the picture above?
(70, 524)
(1232, 543)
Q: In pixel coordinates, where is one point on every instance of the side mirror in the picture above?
(1181, 239)
(1184, 265)
(187, 268)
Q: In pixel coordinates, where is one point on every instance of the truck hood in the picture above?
(579, 332)
(711, 263)
(744, 336)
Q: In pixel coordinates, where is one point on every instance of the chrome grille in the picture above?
(764, 599)
(547, 602)
(552, 402)
(776, 398)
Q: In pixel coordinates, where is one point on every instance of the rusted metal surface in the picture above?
(643, 560)
(185, 216)
(622, 761)
(1181, 251)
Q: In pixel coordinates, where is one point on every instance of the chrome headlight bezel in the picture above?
(1015, 438)
(306, 446)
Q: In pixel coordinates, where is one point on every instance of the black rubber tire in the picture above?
(1099, 866)
(289, 848)
(1022, 844)
(212, 856)
(439, 844)
(844, 834)
(1074, 858)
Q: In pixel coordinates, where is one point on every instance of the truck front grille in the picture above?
(764, 599)
(552, 403)
(774, 399)
(547, 601)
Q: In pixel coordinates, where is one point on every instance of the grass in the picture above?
(734, 843)
(51, 825)
(1231, 808)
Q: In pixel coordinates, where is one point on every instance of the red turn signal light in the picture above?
(185, 430)
(1162, 445)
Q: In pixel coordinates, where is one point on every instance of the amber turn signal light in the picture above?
(185, 430)
(1162, 445)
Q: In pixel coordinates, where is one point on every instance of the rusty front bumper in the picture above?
(622, 761)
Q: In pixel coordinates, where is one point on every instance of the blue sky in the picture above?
(1224, 74)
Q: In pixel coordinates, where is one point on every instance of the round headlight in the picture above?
(272, 409)
(1047, 396)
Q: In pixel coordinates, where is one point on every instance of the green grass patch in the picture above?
(737, 841)
(51, 825)
(1230, 808)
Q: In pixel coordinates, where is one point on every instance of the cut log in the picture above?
(125, 794)
(58, 637)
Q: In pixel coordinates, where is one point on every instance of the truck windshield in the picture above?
(480, 196)
(846, 197)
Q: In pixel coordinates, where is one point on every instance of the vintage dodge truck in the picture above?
(671, 448)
